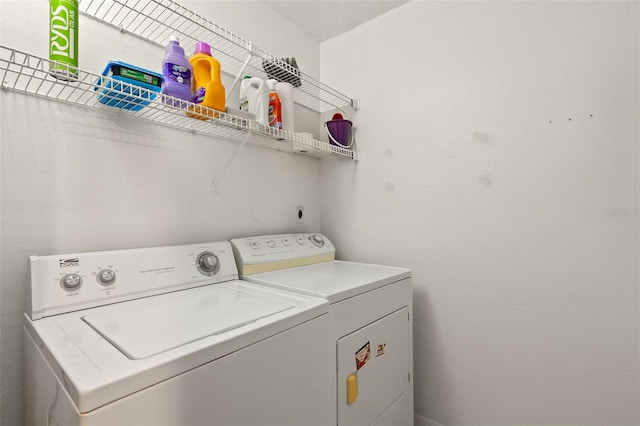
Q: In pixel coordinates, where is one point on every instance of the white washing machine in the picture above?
(170, 336)
(371, 321)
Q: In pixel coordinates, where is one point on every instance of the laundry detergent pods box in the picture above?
(128, 86)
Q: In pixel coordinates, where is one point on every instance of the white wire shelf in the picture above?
(23, 72)
(156, 20)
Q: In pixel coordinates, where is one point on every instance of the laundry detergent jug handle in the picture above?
(215, 70)
(256, 83)
(201, 67)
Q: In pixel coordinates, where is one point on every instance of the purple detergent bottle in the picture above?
(177, 73)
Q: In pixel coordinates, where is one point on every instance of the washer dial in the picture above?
(208, 263)
(71, 282)
(106, 277)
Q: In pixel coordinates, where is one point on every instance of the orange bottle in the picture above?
(208, 90)
(275, 106)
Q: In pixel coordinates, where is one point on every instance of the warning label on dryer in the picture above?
(362, 355)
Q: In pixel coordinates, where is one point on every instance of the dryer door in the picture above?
(373, 368)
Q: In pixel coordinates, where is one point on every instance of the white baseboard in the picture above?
(421, 421)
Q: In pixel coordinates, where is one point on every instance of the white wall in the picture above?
(82, 180)
(499, 146)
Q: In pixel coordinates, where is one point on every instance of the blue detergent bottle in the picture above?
(177, 72)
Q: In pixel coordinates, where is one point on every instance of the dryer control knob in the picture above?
(317, 240)
(300, 240)
(106, 277)
(71, 282)
(208, 262)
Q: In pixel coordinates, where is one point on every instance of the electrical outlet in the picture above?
(300, 214)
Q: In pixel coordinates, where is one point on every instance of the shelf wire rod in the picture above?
(78, 91)
(51, 89)
(119, 15)
(156, 114)
(5, 81)
(178, 17)
(40, 65)
(203, 22)
(30, 75)
(135, 10)
(100, 6)
(29, 79)
(142, 12)
(216, 183)
(238, 77)
(157, 33)
(106, 13)
(138, 8)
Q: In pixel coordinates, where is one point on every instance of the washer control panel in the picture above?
(64, 283)
(270, 252)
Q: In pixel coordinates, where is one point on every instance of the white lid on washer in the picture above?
(94, 372)
(160, 325)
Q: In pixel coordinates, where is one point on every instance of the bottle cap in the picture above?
(271, 84)
(202, 47)
(246, 77)
(175, 38)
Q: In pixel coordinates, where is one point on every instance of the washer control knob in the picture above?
(106, 277)
(317, 240)
(271, 243)
(300, 240)
(71, 282)
(255, 245)
(285, 242)
(208, 262)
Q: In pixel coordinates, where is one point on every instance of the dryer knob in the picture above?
(208, 262)
(317, 240)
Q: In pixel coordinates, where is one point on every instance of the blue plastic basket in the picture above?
(123, 87)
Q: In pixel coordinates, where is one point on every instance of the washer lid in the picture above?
(158, 326)
(334, 281)
(90, 360)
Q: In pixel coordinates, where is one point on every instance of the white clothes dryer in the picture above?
(371, 317)
(170, 336)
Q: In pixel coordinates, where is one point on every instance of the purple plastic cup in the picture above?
(339, 132)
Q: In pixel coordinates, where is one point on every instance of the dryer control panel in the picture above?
(70, 282)
(273, 252)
